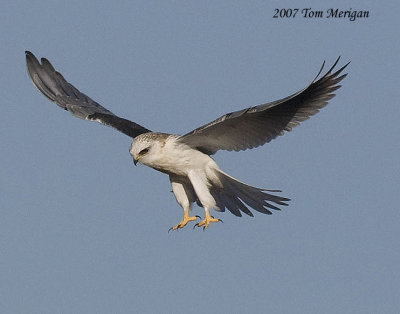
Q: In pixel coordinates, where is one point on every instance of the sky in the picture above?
(84, 231)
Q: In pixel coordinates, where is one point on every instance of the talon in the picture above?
(183, 222)
(218, 220)
(196, 225)
(207, 220)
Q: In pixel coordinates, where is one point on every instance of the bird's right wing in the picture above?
(53, 85)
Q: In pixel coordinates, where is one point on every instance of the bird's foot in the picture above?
(206, 221)
(183, 222)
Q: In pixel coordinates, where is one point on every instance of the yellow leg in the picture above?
(207, 219)
(186, 218)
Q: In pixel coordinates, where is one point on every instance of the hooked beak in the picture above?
(135, 161)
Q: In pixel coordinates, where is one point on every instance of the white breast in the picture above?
(179, 159)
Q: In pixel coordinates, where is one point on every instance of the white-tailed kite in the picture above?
(194, 175)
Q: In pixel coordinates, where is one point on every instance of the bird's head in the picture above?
(146, 149)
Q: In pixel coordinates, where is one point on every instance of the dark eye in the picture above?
(144, 151)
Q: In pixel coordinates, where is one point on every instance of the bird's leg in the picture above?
(186, 218)
(207, 219)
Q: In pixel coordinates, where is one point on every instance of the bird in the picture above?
(194, 175)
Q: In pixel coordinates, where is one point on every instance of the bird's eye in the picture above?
(144, 151)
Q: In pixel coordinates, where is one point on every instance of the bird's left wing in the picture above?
(53, 85)
(258, 125)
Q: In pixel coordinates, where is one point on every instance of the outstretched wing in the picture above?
(258, 125)
(53, 85)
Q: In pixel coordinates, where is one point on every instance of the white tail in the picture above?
(235, 195)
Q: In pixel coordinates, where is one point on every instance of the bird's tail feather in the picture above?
(238, 197)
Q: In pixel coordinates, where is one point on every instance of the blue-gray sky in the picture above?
(84, 231)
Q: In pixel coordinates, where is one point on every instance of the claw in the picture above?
(219, 220)
(183, 222)
(206, 221)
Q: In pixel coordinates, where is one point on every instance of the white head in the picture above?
(146, 148)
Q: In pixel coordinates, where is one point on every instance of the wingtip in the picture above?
(29, 56)
(337, 60)
(333, 66)
(319, 72)
(44, 60)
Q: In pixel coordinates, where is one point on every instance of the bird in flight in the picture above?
(194, 175)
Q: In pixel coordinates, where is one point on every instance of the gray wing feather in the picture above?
(53, 85)
(258, 125)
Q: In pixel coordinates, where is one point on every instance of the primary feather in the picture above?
(53, 85)
(255, 126)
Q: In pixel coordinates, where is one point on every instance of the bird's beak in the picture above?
(135, 161)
